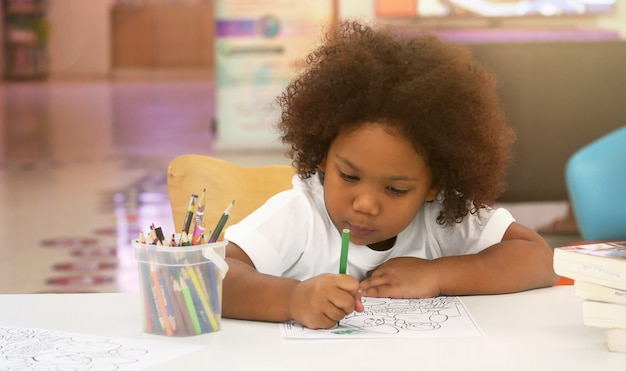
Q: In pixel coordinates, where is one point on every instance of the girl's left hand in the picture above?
(402, 278)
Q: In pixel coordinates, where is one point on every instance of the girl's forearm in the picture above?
(509, 266)
(248, 294)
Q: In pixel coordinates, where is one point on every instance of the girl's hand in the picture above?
(321, 301)
(403, 278)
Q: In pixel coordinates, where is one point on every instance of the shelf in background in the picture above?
(24, 35)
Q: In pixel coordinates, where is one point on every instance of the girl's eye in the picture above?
(398, 192)
(349, 178)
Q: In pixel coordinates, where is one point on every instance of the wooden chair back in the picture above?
(223, 181)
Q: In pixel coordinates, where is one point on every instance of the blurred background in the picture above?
(98, 96)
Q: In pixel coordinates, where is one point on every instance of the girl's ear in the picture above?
(432, 194)
(322, 165)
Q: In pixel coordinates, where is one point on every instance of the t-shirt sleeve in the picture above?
(474, 234)
(495, 228)
(272, 236)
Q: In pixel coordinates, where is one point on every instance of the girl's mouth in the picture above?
(360, 231)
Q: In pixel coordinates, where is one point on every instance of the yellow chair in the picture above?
(224, 181)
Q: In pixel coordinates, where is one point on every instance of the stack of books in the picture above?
(599, 274)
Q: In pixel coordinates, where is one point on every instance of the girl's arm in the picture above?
(248, 294)
(318, 302)
(521, 261)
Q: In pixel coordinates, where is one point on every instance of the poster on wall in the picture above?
(259, 45)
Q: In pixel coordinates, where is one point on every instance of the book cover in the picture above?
(592, 291)
(616, 340)
(603, 314)
(600, 263)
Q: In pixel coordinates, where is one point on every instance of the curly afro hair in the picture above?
(429, 90)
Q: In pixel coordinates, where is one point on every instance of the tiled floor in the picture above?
(82, 171)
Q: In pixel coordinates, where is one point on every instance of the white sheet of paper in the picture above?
(40, 349)
(443, 316)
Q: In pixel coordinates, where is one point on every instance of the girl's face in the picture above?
(375, 183)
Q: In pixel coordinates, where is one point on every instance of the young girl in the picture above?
(403, 142)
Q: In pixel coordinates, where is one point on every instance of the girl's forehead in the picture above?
(371, 135)
(374, 146)
(381, 132)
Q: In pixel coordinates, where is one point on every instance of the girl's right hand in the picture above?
(321, 301)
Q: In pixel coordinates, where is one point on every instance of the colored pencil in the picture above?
(345, 242)
(173, 311)
(203, 298)
(203, 318)
(180, 308)
(158, 293)
(198, 227)
(190, 210)
(196, 239)
(191, 308)
(150, 300)
(211, 274)
(221, 223)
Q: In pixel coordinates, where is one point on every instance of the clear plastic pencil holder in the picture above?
(181, 287)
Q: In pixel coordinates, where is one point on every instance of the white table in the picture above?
(534, 330)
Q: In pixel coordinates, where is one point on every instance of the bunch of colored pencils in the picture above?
(181, 289)
(195, 214)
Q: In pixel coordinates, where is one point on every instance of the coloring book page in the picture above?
(443, 316)
(39, 349)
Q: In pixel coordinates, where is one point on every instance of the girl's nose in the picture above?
(366, 203)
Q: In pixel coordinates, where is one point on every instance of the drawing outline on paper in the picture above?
(40, 349)
(385, 317)
(31, 348)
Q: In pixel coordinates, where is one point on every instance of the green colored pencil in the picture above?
(345, 242)
(190, 306)
(221, 223)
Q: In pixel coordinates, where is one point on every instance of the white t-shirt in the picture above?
(291, 235)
